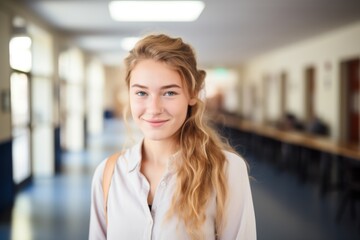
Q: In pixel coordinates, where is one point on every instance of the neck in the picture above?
(158, 152)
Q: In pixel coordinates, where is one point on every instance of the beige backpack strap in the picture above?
(107, 175)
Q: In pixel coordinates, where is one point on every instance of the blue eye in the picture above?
(141, 93)
(170, 93)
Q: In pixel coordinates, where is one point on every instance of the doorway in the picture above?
(283, 93)
(309, 93)
(350, 80)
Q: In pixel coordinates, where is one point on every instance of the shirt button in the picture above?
(163, 184)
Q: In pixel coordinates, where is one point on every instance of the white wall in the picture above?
(324, 52)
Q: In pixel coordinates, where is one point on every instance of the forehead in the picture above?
(151, 72)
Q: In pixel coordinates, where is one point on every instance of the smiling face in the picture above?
(158, 100)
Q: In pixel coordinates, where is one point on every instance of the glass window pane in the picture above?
(20, 99)
(20, 53)
(21, 155)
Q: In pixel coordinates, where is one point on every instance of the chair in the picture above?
(351, 189)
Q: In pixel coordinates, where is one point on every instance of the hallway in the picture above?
(58, 208)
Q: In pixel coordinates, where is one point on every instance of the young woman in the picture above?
(181, 181)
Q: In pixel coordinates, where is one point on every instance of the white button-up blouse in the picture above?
(129, 216)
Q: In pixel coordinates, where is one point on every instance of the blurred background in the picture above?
(282, 86)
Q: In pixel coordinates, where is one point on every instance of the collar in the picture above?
(134, 155)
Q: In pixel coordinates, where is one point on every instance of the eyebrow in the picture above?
(163, 87)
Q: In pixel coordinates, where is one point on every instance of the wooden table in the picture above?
(302, 139)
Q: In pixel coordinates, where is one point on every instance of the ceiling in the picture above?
(227, 33)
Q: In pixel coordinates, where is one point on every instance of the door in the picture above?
(283, 93)
(352, 78)
(310, 93)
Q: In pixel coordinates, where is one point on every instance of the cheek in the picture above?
(180, 109)
(136, 107)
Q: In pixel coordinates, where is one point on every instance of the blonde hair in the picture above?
(202, 171)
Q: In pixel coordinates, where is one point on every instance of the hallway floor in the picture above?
(58, 207)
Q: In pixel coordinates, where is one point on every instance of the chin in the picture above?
(155, 137)
(159, 137)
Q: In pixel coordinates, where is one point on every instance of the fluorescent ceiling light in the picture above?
(156, 11)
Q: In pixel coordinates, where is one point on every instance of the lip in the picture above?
(155, 122)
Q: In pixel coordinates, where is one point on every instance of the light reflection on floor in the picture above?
(21, 221)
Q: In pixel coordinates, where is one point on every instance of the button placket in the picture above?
(144, 192)
(159, 194)
(162, 184)
(150, 228)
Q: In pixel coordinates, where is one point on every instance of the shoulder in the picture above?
(237, 166)
(126, 159)
(235, 160)
(98, 173)
(99, 170)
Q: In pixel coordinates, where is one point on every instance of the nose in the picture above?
(155, 105)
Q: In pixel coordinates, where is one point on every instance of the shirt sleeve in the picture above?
(97, 228)
(240, 216)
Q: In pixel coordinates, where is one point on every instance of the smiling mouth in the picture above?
(156, 123)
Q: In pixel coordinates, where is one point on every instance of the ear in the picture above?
(192, 101)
